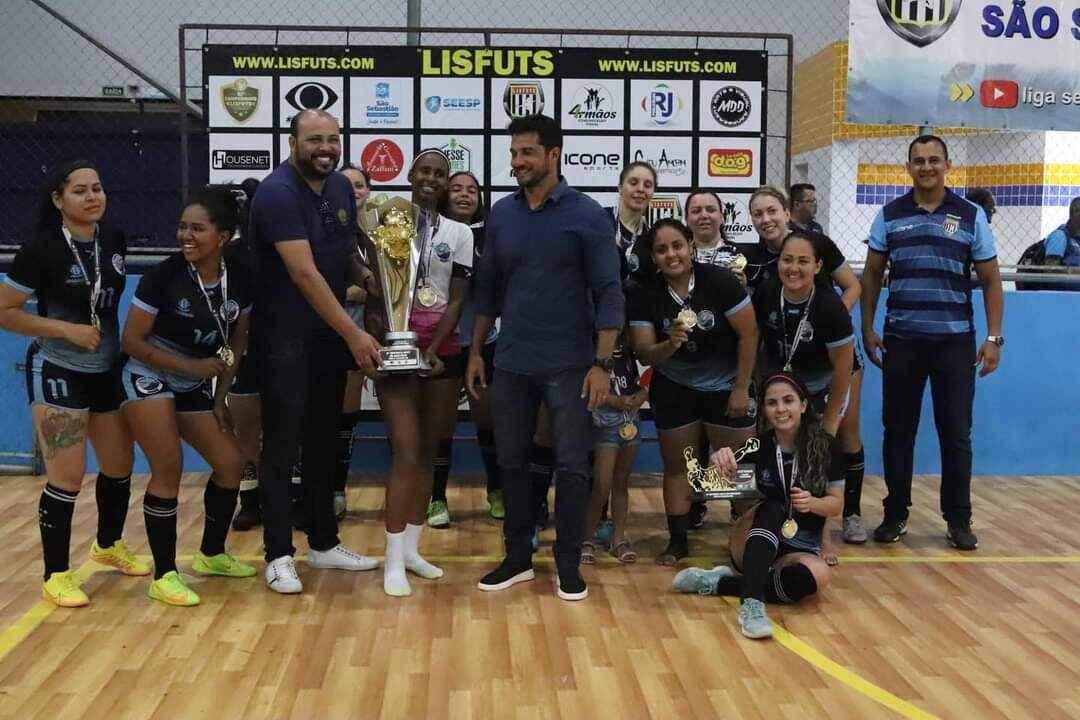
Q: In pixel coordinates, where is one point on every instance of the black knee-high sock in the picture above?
(486, 440)
(440, 468)
(54, 519)
(160, 516)
(790, 585)
(220, 504)
(346, 423)
(853, 480)
(758, 557)
(113, 497)
(677, 526)
(541, 469)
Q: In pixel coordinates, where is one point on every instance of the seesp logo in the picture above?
(434, 103)
(240, 99)
(311, 95)
(383, 159)
(730, 162)
(240, 160)
(662, 104)
(460, 156)
(730, 106)
(593, 106)
(523, 98)
(920, 22)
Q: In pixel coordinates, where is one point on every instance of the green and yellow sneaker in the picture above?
(222, 564)
(171, 590)
(118, 556)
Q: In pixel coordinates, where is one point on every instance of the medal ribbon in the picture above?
(689, 294)
(789, 351)
(95, 288)
(426, 248)
(788, 485)
(223, 277)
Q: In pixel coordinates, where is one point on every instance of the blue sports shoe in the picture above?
(699, 580)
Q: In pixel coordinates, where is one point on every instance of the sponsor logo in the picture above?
(342, 216)
(729, 162)
(732, 226)
(442, 251)
(773, 320)
(707, 319)
(662, 104)
(664, 163)
(148, 385)
(593, 106)
(633, 264)
(807, 332)
(523, 98)
(435, 103)
(594, 162)
(383, 159)
(183, 307)
(311, 96)
(118, 263)
(951, 224)
(75, 273)
(239, 99)
(384, 111)
(999, 94)
(730, 106)
(460, 156)
(663, 206)
(920, 22)
(240, 160)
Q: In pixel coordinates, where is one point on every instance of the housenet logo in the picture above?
(240, 160)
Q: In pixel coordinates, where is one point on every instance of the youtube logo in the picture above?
(999, 94)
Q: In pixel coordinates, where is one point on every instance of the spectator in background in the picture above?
(984, 199)
(804, 208)
(1063, 245)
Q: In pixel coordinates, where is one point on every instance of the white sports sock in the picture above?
(413, 562)
(394, 581)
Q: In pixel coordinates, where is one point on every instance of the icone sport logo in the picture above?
(920, 22)
(383, 159)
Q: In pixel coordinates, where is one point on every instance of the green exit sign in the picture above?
(112, 90)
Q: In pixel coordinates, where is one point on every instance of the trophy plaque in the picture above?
(709, 483)
(391, 223)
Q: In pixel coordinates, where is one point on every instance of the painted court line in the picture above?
(32, 618)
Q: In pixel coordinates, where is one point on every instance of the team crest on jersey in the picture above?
(706, 319)
(183, 307)
(632, 262)
(342, 216)
(951, 224)
(772, 321)
(807, 333)
(442, 250)
(666, 324)
(148, 385)
(75, 273)
(229, 310)
(118, 263)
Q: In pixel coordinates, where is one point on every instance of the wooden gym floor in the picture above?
(909, 630)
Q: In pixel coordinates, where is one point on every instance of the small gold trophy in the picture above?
(391, 223)
(709, 484)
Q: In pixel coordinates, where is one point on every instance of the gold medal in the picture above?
(738, 263)
(789, 528)
(227, 355)
(688, 318)
(628, 431)
(427, 296)
(95, 321)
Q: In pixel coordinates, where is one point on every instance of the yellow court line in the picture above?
(845, 676)
(32, 618)
(928, 559)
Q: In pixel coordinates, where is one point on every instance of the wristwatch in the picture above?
(998, 340)
(606, 364)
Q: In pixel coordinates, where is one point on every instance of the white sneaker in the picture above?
(340, 557)
(281, 576)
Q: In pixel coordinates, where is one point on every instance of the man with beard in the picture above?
(302, 235)
(551, 271)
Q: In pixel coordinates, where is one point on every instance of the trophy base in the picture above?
(402, 355)
(744, 488)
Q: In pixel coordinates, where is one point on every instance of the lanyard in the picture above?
(225, 312)
(634, 234)
(427, 247)
(95, 288)
(788, 486)
(689, 293)
(789, 352)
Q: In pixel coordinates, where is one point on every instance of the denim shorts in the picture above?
(608, 435)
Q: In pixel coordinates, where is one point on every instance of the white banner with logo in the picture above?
(965, 63)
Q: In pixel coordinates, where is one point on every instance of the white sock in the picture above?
(394, 581)
(413, 562)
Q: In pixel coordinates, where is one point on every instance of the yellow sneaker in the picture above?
(171, 590)
(119, 557)
(221, 564)
(63, 589)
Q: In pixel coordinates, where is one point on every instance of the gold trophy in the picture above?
(709, 484)
(391, 223)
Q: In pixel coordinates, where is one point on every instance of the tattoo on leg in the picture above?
(60, 430)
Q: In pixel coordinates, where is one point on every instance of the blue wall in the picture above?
(1025, 421)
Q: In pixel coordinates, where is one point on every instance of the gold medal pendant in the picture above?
(738, 263)
(427, 296)
(789, 528)
(628, 431)
(95, 321)
(688, 318)
(227, 355)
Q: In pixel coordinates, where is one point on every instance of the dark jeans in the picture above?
(515, 400)
(950, 366)
(301, 382)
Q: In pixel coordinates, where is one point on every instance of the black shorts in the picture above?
(245, 382)
(141, 383)
(50, 384)
(675, 406)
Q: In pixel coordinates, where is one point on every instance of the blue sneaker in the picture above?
(699, 580)
(753, 620)
(604, 533)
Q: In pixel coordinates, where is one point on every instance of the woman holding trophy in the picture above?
(694, 324)
(419, 407)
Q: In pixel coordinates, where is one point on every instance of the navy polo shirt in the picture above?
(552, 274)
(930, 258)
(286, 208)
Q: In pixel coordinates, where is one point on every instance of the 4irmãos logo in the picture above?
(523, 98)
(484, 61)
(729, 162)
(731, 106)
(920, 22)
(732, 226)
(593, 106)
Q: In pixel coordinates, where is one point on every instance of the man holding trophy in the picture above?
(551, 272)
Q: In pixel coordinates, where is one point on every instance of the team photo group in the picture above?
(559, 317)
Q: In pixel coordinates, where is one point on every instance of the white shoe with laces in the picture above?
(340, 557)
(281, 576)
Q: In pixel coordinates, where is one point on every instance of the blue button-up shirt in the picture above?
(552, 274)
